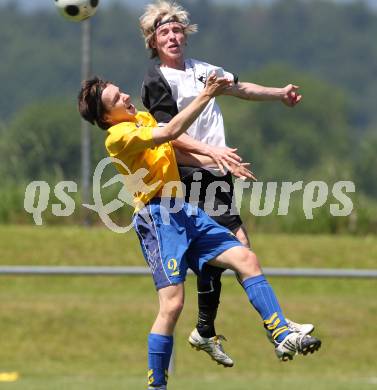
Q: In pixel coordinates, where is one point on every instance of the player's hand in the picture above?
(224, 157)
(291, 96)
(242, 171)
(215, 86)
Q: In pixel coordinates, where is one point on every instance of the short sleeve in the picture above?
(230, 76)
(128, 138)
(157, 97)
(221, 72)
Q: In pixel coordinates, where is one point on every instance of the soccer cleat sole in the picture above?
(218, 363)
(310, 348)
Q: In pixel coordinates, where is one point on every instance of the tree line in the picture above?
(328, 49)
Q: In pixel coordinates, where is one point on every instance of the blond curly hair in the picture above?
(161, 12)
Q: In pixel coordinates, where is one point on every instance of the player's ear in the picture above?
(106, 117)
(152, 42)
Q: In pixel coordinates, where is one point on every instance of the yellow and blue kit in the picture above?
(190, 238)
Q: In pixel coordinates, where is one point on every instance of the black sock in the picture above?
(208, 302)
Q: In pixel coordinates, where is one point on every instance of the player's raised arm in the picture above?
(288, 95)
(182, 121)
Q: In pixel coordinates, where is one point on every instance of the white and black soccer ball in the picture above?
(77, 10)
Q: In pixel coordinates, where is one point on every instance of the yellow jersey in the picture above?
(147, 168)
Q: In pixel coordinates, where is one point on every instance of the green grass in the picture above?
(32, 245)
(89, 333)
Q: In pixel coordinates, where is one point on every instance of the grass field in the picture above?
(32, 245)
(89, 333)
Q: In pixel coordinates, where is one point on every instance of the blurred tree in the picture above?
(336, 43)
(43, 142)
(326, 48)
(366, 165)
(308, 140)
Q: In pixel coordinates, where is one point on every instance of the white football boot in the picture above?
(212, 346)
(304, 329)
(300, 328)
(296, 343)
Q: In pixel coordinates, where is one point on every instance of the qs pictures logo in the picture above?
(37, 195)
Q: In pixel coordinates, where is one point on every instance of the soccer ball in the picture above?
(77, 10)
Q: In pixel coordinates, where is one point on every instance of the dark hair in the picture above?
(90, 104)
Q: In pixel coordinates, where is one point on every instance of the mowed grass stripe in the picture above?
(32, 245)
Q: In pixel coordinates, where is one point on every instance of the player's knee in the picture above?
(249, 264)
(172, 309)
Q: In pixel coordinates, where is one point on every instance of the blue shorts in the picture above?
(173, 242)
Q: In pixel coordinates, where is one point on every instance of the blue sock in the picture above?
(262, 297)
(159, 352)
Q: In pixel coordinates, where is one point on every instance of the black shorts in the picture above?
(230, 218)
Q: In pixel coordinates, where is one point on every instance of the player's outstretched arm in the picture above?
(184, 119)
(221, 156)
(240, 170)
(193, 160)
(288, 95)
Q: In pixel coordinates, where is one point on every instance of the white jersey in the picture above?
(186, 85)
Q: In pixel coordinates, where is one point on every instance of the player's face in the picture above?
(170, 41)
(118, 105)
